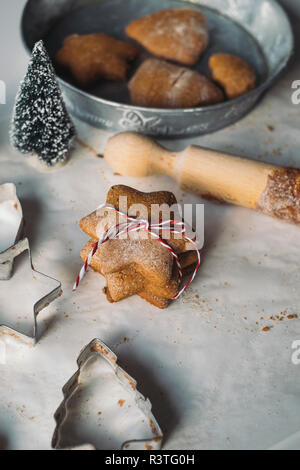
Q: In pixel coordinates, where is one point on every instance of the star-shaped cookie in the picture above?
(129, 281)
(141, 250)
(133, 265)
(90, 57)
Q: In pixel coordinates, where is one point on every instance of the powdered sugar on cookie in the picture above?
(178, 34)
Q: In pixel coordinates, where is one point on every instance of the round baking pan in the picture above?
(256, 30)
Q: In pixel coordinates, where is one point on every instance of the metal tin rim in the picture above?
(202, 109)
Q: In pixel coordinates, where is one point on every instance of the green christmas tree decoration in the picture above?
(40, 123)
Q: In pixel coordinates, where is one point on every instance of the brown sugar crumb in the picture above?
(9, 333)
(152, 426)
(282, 316)
(97, 348)
(131, 382)
(266, 328)
(123, 340)
(121, 402)
(292, 317)
(148, 447)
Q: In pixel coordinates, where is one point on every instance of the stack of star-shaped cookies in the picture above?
(136, 263)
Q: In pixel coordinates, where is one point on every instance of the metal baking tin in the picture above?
(257, 30)
(8, 256)
(11, 219)
(97, 349)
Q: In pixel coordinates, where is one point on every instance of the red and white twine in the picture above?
(134, 225)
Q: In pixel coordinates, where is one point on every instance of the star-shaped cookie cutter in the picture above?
(97, 348)
(8, 256)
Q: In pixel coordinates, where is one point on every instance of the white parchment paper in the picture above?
(215, 379)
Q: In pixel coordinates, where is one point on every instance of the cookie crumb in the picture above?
(266, 328)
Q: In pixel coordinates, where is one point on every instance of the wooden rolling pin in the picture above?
(270, 189)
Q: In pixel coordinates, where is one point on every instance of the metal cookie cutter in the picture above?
(7, 257)
(97, 349)
(11, 223)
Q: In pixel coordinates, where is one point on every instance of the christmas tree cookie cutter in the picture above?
(11, 223)
(96, 350)
(8, 256)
